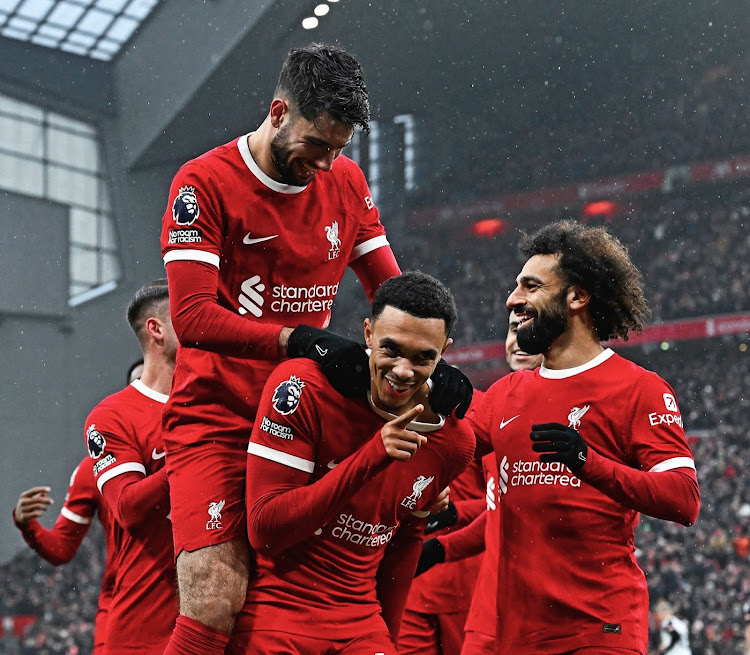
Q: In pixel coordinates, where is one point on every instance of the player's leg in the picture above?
(419, 634)
(207, 492)
(478, 643)
(213, 583)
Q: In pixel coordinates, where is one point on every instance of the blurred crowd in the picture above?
(704, 570)
(61, 601)
(692, 252)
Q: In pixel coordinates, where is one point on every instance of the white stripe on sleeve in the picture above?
(136, 467)
(674, 463)
(281, 458)
(368, 246)
(191, 256)
(76, 518)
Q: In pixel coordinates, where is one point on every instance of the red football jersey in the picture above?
(281, 252)
(483, 612)
(325, 584)
(567, 573)
(123, 435)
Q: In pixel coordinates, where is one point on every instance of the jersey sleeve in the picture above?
(200, 322)
(466, 542)
(192, 225)
(287, 425)
(112, 450)
(657, 438)
(83, 498)
(120, 472)
(60, 544)
(374, 268)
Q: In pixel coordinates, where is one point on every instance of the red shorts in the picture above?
(283, 643)
(207, 489)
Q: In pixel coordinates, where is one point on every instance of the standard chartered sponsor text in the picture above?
(525, 473)
(356, 531)
(297, 300)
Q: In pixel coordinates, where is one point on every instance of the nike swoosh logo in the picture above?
(332, 464)
(503, 423)
(155, 455)
(249, 242)
(321, 352)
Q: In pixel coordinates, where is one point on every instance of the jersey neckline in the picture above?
(562, 373)
(252, 165)
(149, 392)
(417, 426)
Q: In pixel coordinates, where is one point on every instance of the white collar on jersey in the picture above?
(561, 373)
(414, 425)
(247, 157)
(149, 392)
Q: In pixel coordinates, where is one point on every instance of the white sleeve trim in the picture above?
(281, 458)
(191, 256)
(76, 518)
(674, 463)
(136, 467)
(368, 246)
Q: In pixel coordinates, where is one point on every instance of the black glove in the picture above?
(560, 444)
(432, 553)
(344, 362)
(442, 519)
(451, 389)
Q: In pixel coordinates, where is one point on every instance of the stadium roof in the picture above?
(92, 28)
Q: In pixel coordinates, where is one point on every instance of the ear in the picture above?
(368, 333)
(279, 107)
(448, 342)
(578, 298)
(155, 329)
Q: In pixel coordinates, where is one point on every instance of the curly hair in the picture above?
(323, 78)
(595, 260)
(418, 294)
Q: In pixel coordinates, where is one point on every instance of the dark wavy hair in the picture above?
(418, 294)
(595, 260)
(323, 78)
(152, 299)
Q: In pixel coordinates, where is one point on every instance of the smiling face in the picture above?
(404, 352)
(300, 148)
(540, 303)
(516, 357)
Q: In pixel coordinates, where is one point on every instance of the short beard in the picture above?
(280, 156)
(545, 327)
